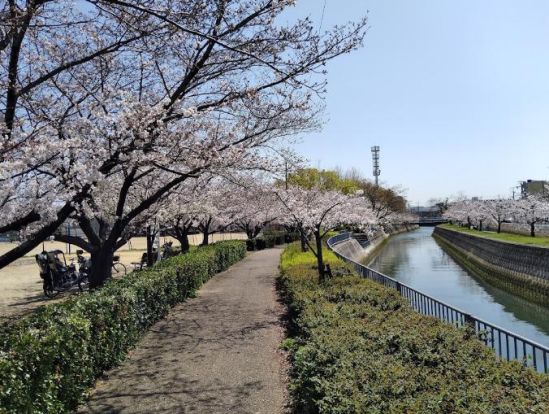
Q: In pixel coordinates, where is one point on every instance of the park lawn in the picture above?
(504, 237)
(293, 256)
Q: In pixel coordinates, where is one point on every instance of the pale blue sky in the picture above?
(456, 93)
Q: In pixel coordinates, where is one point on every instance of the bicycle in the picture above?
(57, 275)
(118, 267)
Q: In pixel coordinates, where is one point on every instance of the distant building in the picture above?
(531, 187)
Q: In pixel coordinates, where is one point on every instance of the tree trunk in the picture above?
(101, 266)
(303, 240)
(499, 226)
(150, 240)
(319, 257)
(205, 237)
(250, 233)
(533, 229)
(480, 225)
(183, 240)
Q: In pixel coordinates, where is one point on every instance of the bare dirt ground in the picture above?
(21, 286)
(216, 353)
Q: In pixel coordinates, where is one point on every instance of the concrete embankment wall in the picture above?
(502, 264)
(350, 248)
(353, 250)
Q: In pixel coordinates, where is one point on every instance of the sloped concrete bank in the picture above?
(524, 270)
(353, 250)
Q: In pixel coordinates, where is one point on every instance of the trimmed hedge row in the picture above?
(49, 359)
(357, 347)
(271, 239)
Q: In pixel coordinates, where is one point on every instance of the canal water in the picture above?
(416, 260)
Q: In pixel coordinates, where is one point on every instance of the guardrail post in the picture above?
(469, 321)
(399, 288)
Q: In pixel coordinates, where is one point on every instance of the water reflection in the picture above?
(417, 260)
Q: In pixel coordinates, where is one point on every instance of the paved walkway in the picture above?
(216, 353)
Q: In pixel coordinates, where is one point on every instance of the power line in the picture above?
(322, 16)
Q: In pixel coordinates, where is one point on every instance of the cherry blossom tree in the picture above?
(529, 211)
(253, 204)
(460, 212)
(532, 210)
(244, 202)
(480, 214)
(317, 212)
(176, 215)
(499, 210)
(53, 56)
(398, 219)
(182, 89)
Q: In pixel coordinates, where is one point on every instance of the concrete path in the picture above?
(217, 353)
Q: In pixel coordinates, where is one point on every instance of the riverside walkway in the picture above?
(216, 353)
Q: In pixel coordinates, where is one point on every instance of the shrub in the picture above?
(260, 244)
(270, 241)
(358, 347)
(275, 237)
(250, 245)
(49, 359)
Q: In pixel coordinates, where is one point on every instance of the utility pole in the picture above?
(375, 162)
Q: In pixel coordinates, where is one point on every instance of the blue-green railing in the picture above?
(507, 345)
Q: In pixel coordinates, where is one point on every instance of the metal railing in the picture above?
(507, 345)
(432, 220)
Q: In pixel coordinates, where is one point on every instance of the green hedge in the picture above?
(49, 359)
(357, 347)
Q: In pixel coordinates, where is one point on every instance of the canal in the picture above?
(416, 259)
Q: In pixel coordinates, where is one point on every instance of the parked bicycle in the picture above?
(57, 275)
(84, 263)
(167, 250)
(117, 266)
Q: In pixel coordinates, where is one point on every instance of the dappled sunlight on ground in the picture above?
(21, 285)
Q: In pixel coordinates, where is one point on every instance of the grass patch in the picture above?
(293, 256)
(357, 347)
(504, 237)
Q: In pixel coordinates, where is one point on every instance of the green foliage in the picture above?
(357, 347)
(49, 359)
(293, 256)
(271, 238)
(382, 200)
(309, 178)
(275, 237)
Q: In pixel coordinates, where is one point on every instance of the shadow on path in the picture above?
(217, 353)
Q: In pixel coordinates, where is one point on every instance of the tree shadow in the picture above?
(208, 356)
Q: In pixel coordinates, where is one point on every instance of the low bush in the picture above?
(357, 347)
(260, 243)
(250, 245)
(277, 237)
(49, 359)
(269, 240)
